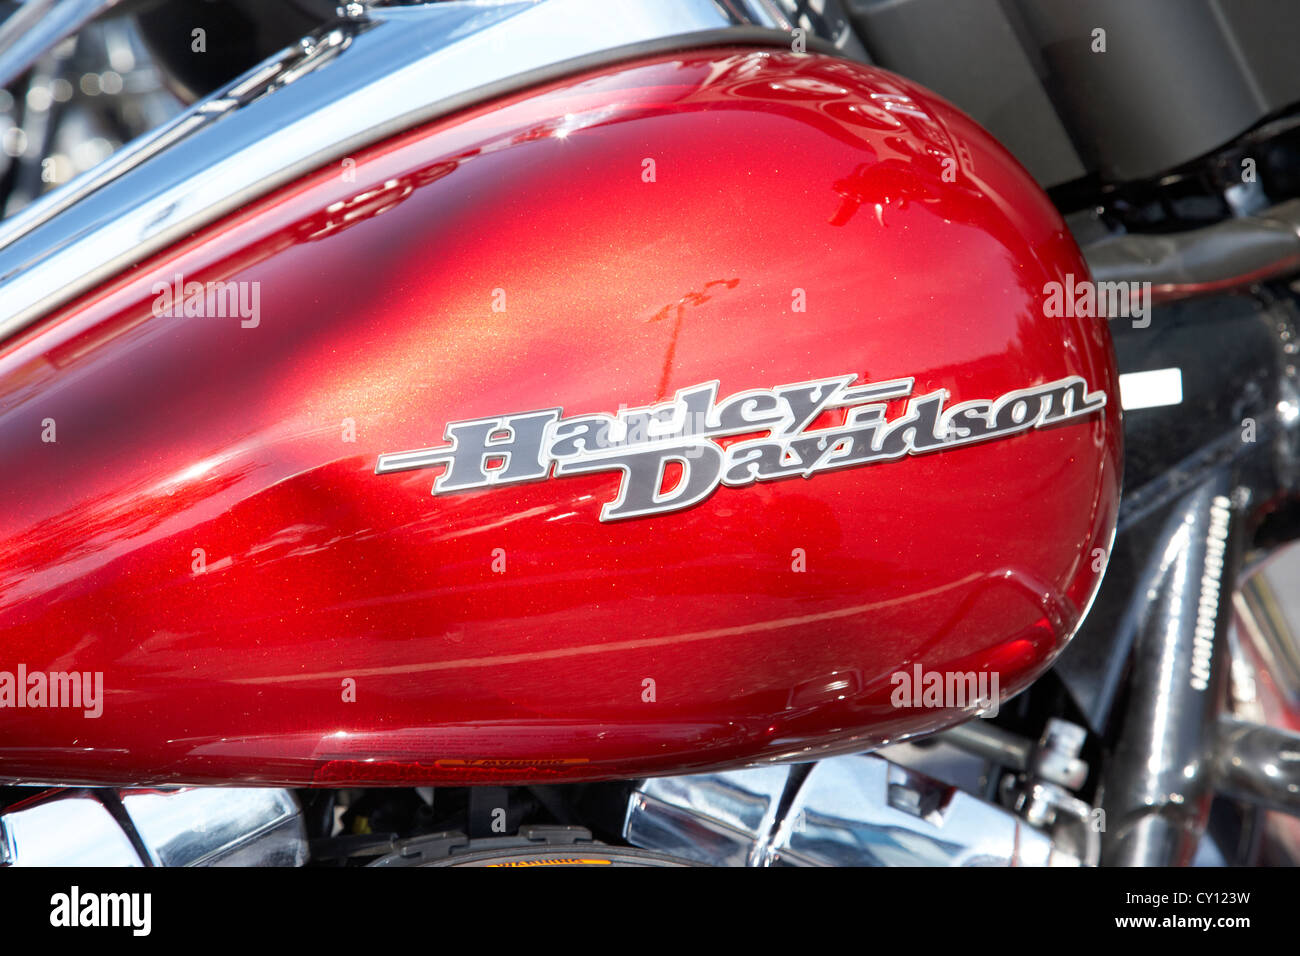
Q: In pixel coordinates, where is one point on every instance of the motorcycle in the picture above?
(653, 433)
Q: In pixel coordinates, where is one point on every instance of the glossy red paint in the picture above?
(922, 250)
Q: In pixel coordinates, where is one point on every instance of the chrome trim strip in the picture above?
(347, 86)
(37, 26)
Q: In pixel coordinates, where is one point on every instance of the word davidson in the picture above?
(642, 442)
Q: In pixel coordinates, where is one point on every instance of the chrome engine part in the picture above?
(235, 826)
(859, 810)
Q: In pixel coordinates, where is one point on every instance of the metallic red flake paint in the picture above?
(507, 634)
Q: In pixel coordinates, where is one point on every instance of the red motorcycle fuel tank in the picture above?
(684, 413)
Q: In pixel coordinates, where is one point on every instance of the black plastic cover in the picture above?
(1177, 78)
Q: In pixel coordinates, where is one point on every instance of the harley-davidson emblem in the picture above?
(643, 442)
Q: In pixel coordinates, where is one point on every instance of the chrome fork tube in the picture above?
(1161, 775)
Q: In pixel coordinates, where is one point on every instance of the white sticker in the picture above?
(1164, 386)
